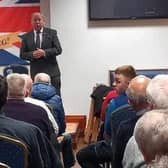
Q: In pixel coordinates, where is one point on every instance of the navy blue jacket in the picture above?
(41, 152)
(124, 132)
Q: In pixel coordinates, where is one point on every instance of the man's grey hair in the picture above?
(42, 77)
(159, 162)
(133, 95)
(16, 85)
(157, 91)
(151, 133)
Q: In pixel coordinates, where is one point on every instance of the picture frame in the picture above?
(147, 72)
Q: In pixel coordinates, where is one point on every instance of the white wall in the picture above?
(90, 49)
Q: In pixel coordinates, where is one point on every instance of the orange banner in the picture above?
(7, 41)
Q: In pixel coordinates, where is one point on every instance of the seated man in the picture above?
(18, 109)
(151, 135)
(97, 153)
(136, 93)
(123, 76)
(157, 95)
(41, 153)
(43, 90)
(29, 99)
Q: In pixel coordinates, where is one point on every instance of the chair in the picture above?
(15, 68)
(93, 126)
(13, 152)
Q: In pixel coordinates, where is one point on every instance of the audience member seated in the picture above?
(151, 134)
(29, 99)
(136, 93)
(18, 109)
(133, 156)
(123, 75)
(157, 95)
(97, 153)
(41, 153)
(43, 90)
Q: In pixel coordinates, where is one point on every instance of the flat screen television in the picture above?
(127, 9)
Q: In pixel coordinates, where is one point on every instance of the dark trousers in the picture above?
(95, 154)
(67, 151)
(65, 147)
(56, 82)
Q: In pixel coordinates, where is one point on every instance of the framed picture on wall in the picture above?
(147, 72)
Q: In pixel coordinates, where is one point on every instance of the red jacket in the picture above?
(111, 95)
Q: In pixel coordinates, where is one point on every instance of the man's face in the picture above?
(37, 21)
(121, 83)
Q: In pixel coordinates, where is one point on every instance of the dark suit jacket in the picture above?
(124, 132)
(41, 153)
(121, 114)
(52, 47)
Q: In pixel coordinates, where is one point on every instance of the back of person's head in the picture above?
(157, 92)
(3, 91)
(29, 84)
(42, 78)
(126, 70)
(136, 91)
(151, 134)
(16, 85)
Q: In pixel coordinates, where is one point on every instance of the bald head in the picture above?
(29, 84)
(151, 134)
(37, 21)
(137, 90)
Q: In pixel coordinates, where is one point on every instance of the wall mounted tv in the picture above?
(127, 9)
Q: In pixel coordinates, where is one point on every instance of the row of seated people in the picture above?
(132, 98)
(46, 123)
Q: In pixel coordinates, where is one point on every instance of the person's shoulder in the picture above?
(50, 30)
(19, 124)
(123, 108)
(129, 123)
(34, 108)
(26, 35)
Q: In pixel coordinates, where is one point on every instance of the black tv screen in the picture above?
(127, 9)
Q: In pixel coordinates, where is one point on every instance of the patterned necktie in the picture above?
(37, 39)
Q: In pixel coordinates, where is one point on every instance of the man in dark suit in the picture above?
(41, 152)
(40, 47)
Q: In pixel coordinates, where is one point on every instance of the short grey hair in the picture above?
(16, 85)
(42, 77)
(157, 91)
(151, 133)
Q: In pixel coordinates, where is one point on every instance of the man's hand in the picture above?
(39, 53)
